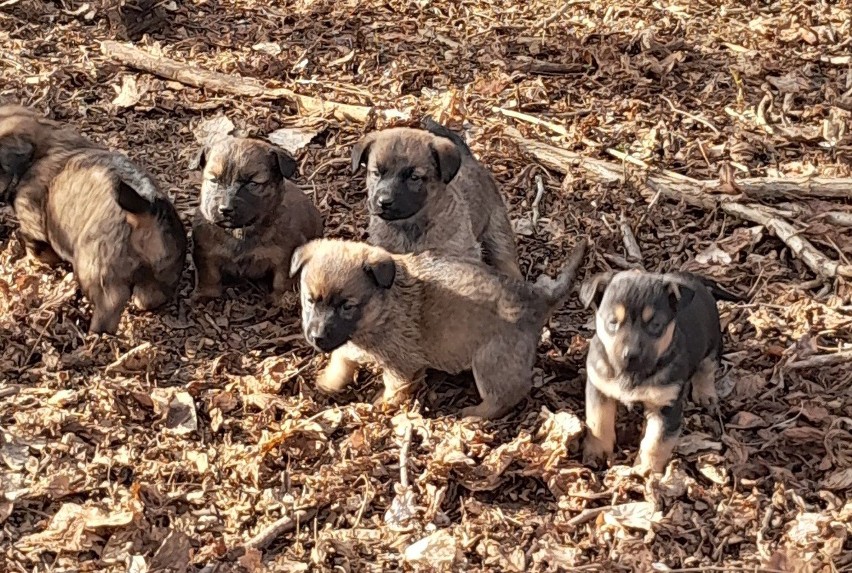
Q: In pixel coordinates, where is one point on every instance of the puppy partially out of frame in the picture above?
(251, 217)
(100, 212)
(656, 336)
(425, 190)
(407, 313)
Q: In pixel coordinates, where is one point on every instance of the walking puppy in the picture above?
(425, 190)
(655, 336)
(411, 312)
(251, 217)
(100, 212)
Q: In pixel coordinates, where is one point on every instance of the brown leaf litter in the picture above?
(196, 441)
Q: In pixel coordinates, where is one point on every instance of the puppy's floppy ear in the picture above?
(447, 158)
(592, 289)
(361, 151)
(139, 211)
(286, 164)
(382, 270)
(300, 256)
(16, 155)
(680, 295)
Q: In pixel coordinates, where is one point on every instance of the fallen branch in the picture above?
(190, 75)
(631, 245)
(587, 515)
(696, 193)
(539, 194)
(822, 360)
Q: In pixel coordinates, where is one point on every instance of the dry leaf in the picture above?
(293, 139)
(438, 550)
(129, 94)
(637, 515)
(839, 480)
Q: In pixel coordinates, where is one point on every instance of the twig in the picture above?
(630, 243)
(821, 360)
(587, 515)
(7, 391)
(700, 120)
(279, 527)
(558, 14)
(119, 363)
(539, 185)
(231, 84)
(554, 127)
(403, 456)
(699, 194)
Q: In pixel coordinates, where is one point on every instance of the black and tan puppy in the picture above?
(103, 214)
(407, 313)
(656, 336)
(425, 190)
(251, 217)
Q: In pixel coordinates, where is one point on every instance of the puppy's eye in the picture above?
(414, 177)
(309, 299)
(348, 306)
(375, 172)
(213, 179)
(612, 324)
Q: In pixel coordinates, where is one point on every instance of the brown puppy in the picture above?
(425, 190)
(26, 138)
(411, 312)
(100, 212)
(251, 217)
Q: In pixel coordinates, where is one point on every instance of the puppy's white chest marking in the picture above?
(619, 388)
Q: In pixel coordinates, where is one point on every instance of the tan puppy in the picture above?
(100, 212)
(425, 190)
(251, 217)
(408, 313)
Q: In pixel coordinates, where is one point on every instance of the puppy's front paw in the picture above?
(206, 292)
(704, 394)
(595, 452)
(332, 381)
(483, 411)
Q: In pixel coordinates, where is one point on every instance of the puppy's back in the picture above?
(698, 320)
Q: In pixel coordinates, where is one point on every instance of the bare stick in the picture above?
(587, 515)
(700, 120)
(227, 83)
(278, 528)
(539, 193)
(821, 360)
(698, 194)
(630, 243)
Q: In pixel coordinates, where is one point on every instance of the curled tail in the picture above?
(555, 291)
(436, 128)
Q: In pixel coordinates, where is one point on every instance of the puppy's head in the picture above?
(20, 133)
(404, 168)
(635, 320)
(242, 180)
(343, 289)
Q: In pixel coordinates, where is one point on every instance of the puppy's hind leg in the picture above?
(704, 382)
(600, 425)
(503, 373)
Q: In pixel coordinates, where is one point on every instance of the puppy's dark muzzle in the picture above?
(324, 340)
(230, 219)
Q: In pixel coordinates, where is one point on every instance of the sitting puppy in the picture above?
(100, 212)
(411, 312)
(251, 217)
(425, 190)
(655, 336)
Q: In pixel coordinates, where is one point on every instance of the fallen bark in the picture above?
(699, 194)
(190, 75)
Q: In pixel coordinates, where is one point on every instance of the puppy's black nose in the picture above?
(226, 210)
(385, 202)
(632, 357)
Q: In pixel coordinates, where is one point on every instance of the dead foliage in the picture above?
(195, 440)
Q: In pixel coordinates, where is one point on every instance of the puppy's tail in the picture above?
(555, 291)
(436, 128)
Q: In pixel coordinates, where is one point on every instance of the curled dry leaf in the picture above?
(438, 550)
(293, 139)
(638, 515)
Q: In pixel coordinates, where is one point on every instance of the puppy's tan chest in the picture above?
(620, 388)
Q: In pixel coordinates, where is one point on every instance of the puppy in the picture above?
(26, 138)
(655, 336)
(425, 190)
(251, 217)
(411, 312)
(100, 212)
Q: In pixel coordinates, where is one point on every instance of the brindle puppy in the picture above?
(25, 139)
(425, 190)
(656, 336)
(411, 312)
(251, 217)
(100, 212)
